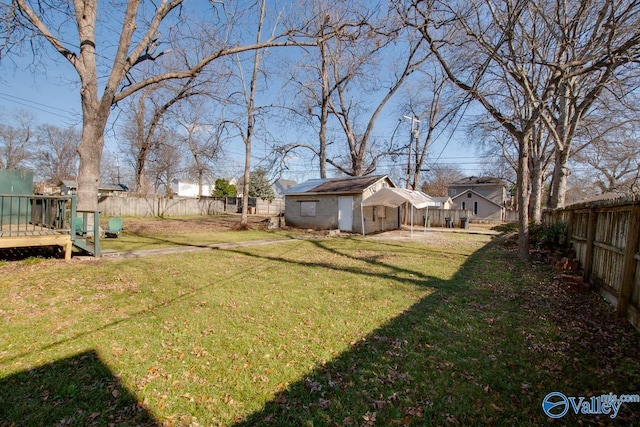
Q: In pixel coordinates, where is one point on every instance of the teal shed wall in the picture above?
(15, 182)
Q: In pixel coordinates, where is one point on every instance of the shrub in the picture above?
(543, 236)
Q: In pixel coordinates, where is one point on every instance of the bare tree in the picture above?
(362, 152)
(499, 143)
(609, 148)
(532, 62)
(333, 26)
(434, 100)
(203, 141)
(166, 163)
(17, 142)
(363, 58)
(588, 46)
(139, 41)
(476, 45)
(146, 114)
(439, 176)
(245, 127)
(57, 155)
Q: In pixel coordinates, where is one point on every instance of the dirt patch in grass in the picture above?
(432, 237)
(207, 224)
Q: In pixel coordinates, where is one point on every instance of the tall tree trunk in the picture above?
(523, 197)
(560, 175)
(535, 204)
(244, 219)
(90, 153)
(324, 108)
(90, 150)
(140, 161)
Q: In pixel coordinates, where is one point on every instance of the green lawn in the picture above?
(158, 233)
(338, 331)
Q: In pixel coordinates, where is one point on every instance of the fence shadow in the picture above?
(78, 390)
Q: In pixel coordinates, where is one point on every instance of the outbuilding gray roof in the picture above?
(476, 180)
(348, 185)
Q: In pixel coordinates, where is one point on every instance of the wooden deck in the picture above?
(27, 235)
(35, 220)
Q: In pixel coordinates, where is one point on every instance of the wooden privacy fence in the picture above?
(606, 239)
(437, 216)
(164, 206)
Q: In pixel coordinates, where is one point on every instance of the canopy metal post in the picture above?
(395, 198)
(411, 204)
(426, 215)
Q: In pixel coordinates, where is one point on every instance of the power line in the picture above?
(49, 109)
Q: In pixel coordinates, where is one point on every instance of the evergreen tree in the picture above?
(224, 189)
(259, 185)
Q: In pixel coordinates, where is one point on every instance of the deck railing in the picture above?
(36, 220)
(31, 213)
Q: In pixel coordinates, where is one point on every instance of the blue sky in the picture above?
(52, 97)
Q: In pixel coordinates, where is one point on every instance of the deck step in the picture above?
(85, 245)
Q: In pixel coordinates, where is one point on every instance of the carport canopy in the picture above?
(394, 197)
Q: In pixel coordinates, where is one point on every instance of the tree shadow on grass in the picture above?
(372, 260)
(477, 351)
(389, 377)
(78, 390)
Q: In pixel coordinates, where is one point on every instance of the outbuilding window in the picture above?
(308, 208)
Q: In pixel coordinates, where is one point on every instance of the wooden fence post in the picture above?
(591, 236)
(629, 264)
(570, 221)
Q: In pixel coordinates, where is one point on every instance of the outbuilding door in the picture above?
(345, 213)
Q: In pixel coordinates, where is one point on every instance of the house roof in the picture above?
(282, 185)
(476, 180)
(444, 199)
(477, 194)
(285, 183)
(69, 183)
(336, 185)
(394, 197)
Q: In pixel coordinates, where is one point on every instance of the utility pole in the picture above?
(415, 131)
(118, 168)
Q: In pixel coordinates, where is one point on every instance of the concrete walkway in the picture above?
(106, 254)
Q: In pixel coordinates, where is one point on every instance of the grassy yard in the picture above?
(158, 233)
(335, 331)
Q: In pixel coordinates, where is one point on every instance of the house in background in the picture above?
(186, 188)
(329, 204)
(69, 186)
(281, 186)
(485, 196)
(445, 202)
